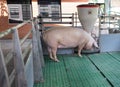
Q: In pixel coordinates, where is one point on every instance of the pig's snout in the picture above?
(91, 45)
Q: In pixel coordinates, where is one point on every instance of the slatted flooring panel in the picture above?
(54, 74)
(93, 70)
(109, 65)
(82, 73)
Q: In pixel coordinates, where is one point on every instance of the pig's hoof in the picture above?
(51, 58)
(80, 55)
(56, 60)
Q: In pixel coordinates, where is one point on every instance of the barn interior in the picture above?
(24, 58)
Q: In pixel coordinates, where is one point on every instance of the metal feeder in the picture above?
(88, 15)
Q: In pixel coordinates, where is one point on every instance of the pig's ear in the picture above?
(95, 44)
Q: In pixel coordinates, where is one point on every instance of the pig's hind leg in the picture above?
(50, 53)
(54, 51)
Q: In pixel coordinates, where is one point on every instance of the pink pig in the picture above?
(67, 37)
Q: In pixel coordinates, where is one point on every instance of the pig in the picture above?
(67, 37)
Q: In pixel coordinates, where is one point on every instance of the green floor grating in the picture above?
(54, 74)
(82, 73)
(109, 66)
(94, 70)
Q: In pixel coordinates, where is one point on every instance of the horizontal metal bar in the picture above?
(110, 16)
(8, 31)
(62, 14)
(26, 36)
(2, 34)
(12, 76)
(56, 17)
(108, 28)
(27, 50)
(56, 23)
(108, 22)
(20, 25)
(8, 57)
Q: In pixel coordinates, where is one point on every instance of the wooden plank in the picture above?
(4, 80)
(18, 61)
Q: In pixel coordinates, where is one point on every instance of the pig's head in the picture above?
(91, 44)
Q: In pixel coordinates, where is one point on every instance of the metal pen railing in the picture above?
(69, 17)
(27, 58)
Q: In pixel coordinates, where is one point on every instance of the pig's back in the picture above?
(63, 31)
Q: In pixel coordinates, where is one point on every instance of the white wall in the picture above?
(67, 7)
(35, 9)
(70, 7)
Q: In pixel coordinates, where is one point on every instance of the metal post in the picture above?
(72, 19)
(4, 80)
(38, 74)
(76, 19)
(18, 61)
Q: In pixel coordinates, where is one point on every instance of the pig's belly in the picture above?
(67, 45)
(62, 46)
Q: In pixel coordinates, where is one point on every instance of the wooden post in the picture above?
(37, 67)
(4, 80)
(18, 61)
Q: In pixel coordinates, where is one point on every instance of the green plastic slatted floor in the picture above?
(93, 70)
